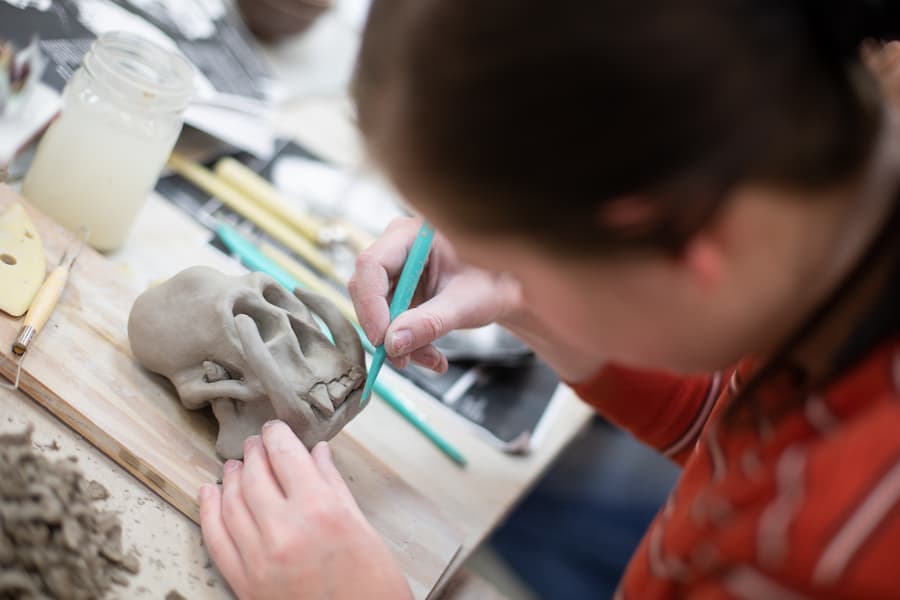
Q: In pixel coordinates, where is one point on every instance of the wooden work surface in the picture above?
(474, 499)
(164, 241)
(81, 369)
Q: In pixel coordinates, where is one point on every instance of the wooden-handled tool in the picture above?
(48, 295)
(263, 193)
(237, 201)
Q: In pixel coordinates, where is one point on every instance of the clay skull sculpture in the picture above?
(252, 350)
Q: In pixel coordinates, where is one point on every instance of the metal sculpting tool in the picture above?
(48, 295)
(403, 293)
(43, 304)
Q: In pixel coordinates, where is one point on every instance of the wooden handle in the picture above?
(259, 216)
(357, 238)
(310, 280)
(264, 194)
(41, 308)
(46, 299)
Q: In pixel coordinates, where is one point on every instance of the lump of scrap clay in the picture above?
(251, 350)
(54, 541)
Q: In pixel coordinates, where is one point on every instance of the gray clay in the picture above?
(251, 350)
(54, 540)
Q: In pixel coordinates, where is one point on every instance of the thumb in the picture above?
(466, 302)
(422, 325)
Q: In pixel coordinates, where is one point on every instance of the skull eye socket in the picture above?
(266, 321)
(276, 295)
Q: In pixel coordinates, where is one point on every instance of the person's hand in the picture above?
(286, 526)
(450, 296)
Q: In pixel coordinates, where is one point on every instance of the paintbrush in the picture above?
(403, 293)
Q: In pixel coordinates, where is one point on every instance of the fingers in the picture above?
(430, 358)
(370, 285)
(260, 489)
(290, 461)
(418, 327)
(218, 541)
(400, 362)
(321, 455)
(237, 518)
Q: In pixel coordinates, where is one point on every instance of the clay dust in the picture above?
(54, 540)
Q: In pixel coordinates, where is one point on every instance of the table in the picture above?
(164, 241)
(475, 499)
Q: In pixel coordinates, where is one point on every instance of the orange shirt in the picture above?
(805, 507)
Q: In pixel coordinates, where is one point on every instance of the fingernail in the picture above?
(431, 359)
(231, 465)
(323, 448)
(206, 491)
(268, 424)
(251, 442)
(401, 342)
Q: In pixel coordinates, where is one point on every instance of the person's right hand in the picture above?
(451, 295)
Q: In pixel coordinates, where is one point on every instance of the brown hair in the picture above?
(532, 115)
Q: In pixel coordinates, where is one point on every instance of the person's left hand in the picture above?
(285, 525)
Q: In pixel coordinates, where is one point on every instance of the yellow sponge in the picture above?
(22, 262)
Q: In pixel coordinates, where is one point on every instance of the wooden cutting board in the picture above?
(82, 370)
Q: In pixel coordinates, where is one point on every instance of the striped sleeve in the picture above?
(831, 529)
(663, 410)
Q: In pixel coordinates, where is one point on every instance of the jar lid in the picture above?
(138, 71)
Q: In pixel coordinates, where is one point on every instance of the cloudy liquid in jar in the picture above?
(121, 116)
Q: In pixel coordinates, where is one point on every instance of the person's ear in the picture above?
(704, 260)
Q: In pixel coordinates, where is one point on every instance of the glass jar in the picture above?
(122, 113)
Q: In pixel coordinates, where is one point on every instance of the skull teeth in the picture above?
(214, 372)
(338, 391)
(320, 399)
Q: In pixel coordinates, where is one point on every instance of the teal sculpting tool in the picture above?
(403, 293)
(251, 257)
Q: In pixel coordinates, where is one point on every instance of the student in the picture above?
(690, 209)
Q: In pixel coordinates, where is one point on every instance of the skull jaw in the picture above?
(239, 420)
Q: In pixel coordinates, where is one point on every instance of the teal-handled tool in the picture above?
(255, 260)
(403, 293)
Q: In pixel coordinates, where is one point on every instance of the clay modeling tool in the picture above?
(403, 293)
(306, 276)
(357, 238)
(255, 260)
(48, 296)
(206, 180)
(22, 262)
(263, 193)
